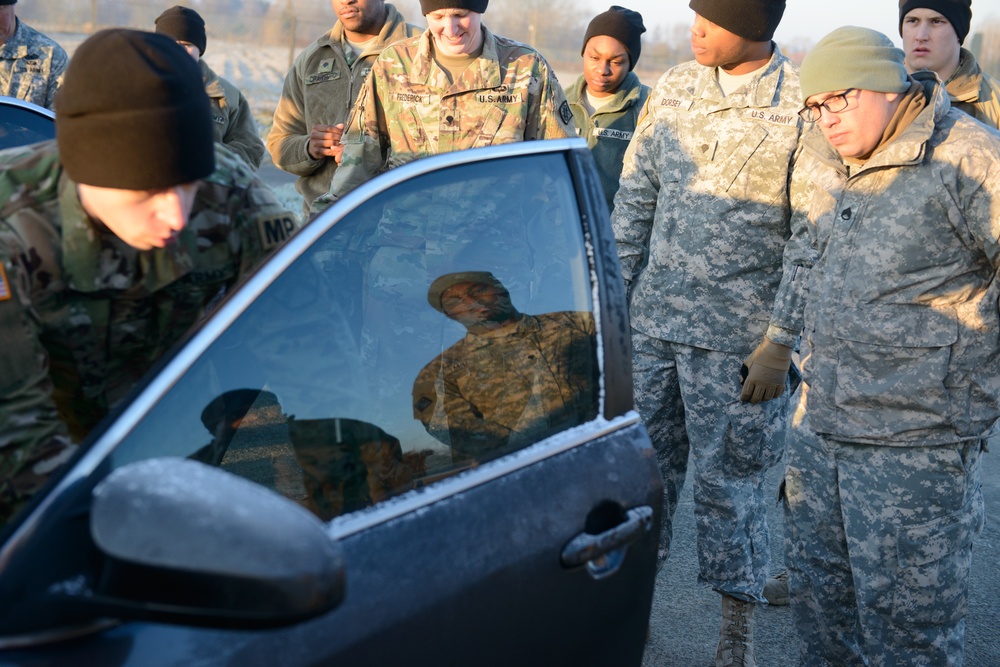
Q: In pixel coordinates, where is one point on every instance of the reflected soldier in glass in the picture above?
(330, 466)
(513, 379)
(348, 464)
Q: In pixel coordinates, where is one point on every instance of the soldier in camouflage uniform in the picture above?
(898, 268)
(701, 219)
(107, 256)
(234, 124)
(31, 64)
(933, 32)
(456, 86)
(321, 87)
(607, 98)
(513, 379)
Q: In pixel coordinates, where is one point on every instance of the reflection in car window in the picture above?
(20, 127)
(443, 323)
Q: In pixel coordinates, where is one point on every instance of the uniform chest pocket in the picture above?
(490, 127)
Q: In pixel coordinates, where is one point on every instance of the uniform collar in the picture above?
(483, 73)
(626, 95)
(964, 84)
(760, 92)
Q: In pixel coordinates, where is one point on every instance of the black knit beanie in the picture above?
(478, 6)
(183, 25)
(958, 13)
(8, 2)
(755, 20)
(132, 113)
(624, 25)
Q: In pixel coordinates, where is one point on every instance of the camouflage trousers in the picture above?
(689, 400)
(878, 546)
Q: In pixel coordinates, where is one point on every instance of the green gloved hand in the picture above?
(766, 372)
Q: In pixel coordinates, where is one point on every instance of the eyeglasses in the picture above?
(811, 113)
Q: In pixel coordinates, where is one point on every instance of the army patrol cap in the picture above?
(442, 283)
(754, 20)
(478, 6)
(132, 113)
(622, 24)
(958, 13)
(183, 25)
(853, 57)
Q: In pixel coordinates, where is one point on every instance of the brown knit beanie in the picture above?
(958, 13)
(132, 113)
(755, 20)
(183, 25)
(624, 25)
(428, 6)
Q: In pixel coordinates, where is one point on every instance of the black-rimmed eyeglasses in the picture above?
(811, 113)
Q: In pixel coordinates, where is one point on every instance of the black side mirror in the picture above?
(188, 543)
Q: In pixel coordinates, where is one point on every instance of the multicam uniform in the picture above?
(898, 263)
(234, 124)
(496, 391)
(320, 89)
(84, 316)
(701, 218)
(610, 129)
(973, 91)
(31, 66)
(409, 109)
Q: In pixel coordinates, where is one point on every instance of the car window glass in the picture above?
(20, 127)
(442, 324)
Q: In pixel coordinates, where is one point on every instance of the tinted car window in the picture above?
(440, 325)
(20, 126)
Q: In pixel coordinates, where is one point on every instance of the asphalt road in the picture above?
(685, 618)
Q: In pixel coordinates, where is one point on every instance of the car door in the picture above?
(483, 491)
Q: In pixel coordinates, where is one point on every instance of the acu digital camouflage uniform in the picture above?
(31, 66)
(609, 131)
(897, 266)
(84, 315)
(234, 124)
(974, 91)
(496, 391)
(409, 110)
(701, 219)
(320, 89)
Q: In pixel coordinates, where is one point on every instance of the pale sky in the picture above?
(811, 19)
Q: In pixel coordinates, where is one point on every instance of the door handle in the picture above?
(604, 552)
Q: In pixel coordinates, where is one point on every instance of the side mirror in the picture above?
(188, 543)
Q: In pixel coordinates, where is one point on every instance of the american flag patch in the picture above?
(5, 293)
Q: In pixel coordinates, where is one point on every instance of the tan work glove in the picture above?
(766, 370)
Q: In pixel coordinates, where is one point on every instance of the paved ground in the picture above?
(685, 619)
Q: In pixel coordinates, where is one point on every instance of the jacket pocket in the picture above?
(892, 363)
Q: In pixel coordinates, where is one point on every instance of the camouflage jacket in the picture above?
(320, 89)
(234, 122)
(83, 315)
(704, 205)
(973, 91)
(493, 392)
(900, 260)
(408, 109)
(609, 131)
(31, 66)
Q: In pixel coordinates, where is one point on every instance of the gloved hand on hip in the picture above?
(766, 370)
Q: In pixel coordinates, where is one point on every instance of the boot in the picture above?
(736, 636)
(776, 589)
